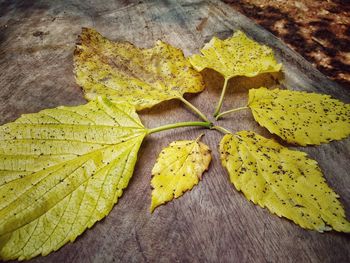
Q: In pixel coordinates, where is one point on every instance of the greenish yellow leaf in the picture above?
(178, 168)
(122, 72)
(236, 56)
(286, 182)
(61, 170)
(300, 117)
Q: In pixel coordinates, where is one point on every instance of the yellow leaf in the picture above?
(62, 170)
(122, 72)
(300, 117)
(178, 168)
(286, 182)
(236, 56)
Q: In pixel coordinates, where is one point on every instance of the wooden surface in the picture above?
(213, 222)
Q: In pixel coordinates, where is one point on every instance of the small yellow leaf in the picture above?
(178, 168)
(300, 117)
(236, 56)
(286, 182)
(61, 171)
(122, 72)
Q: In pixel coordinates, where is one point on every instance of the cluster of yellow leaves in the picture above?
(63, 169)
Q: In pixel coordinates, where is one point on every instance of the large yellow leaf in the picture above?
(123, 72)
(178, 168)
(287, 182)
(236, 56)
(61, 170)
(300, 117)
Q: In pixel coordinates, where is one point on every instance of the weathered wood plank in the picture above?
(211, 223)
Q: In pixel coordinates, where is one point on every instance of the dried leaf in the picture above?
(61, 170)
(287, 182)
(236, 56)
(178, 168)
(123, 72)
(300, 117)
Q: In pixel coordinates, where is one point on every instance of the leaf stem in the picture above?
(221, 129)
(230, 111)
(194, 109)
(218, 107)
(179, 125)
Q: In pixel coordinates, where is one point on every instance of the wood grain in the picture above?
(213, 222)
